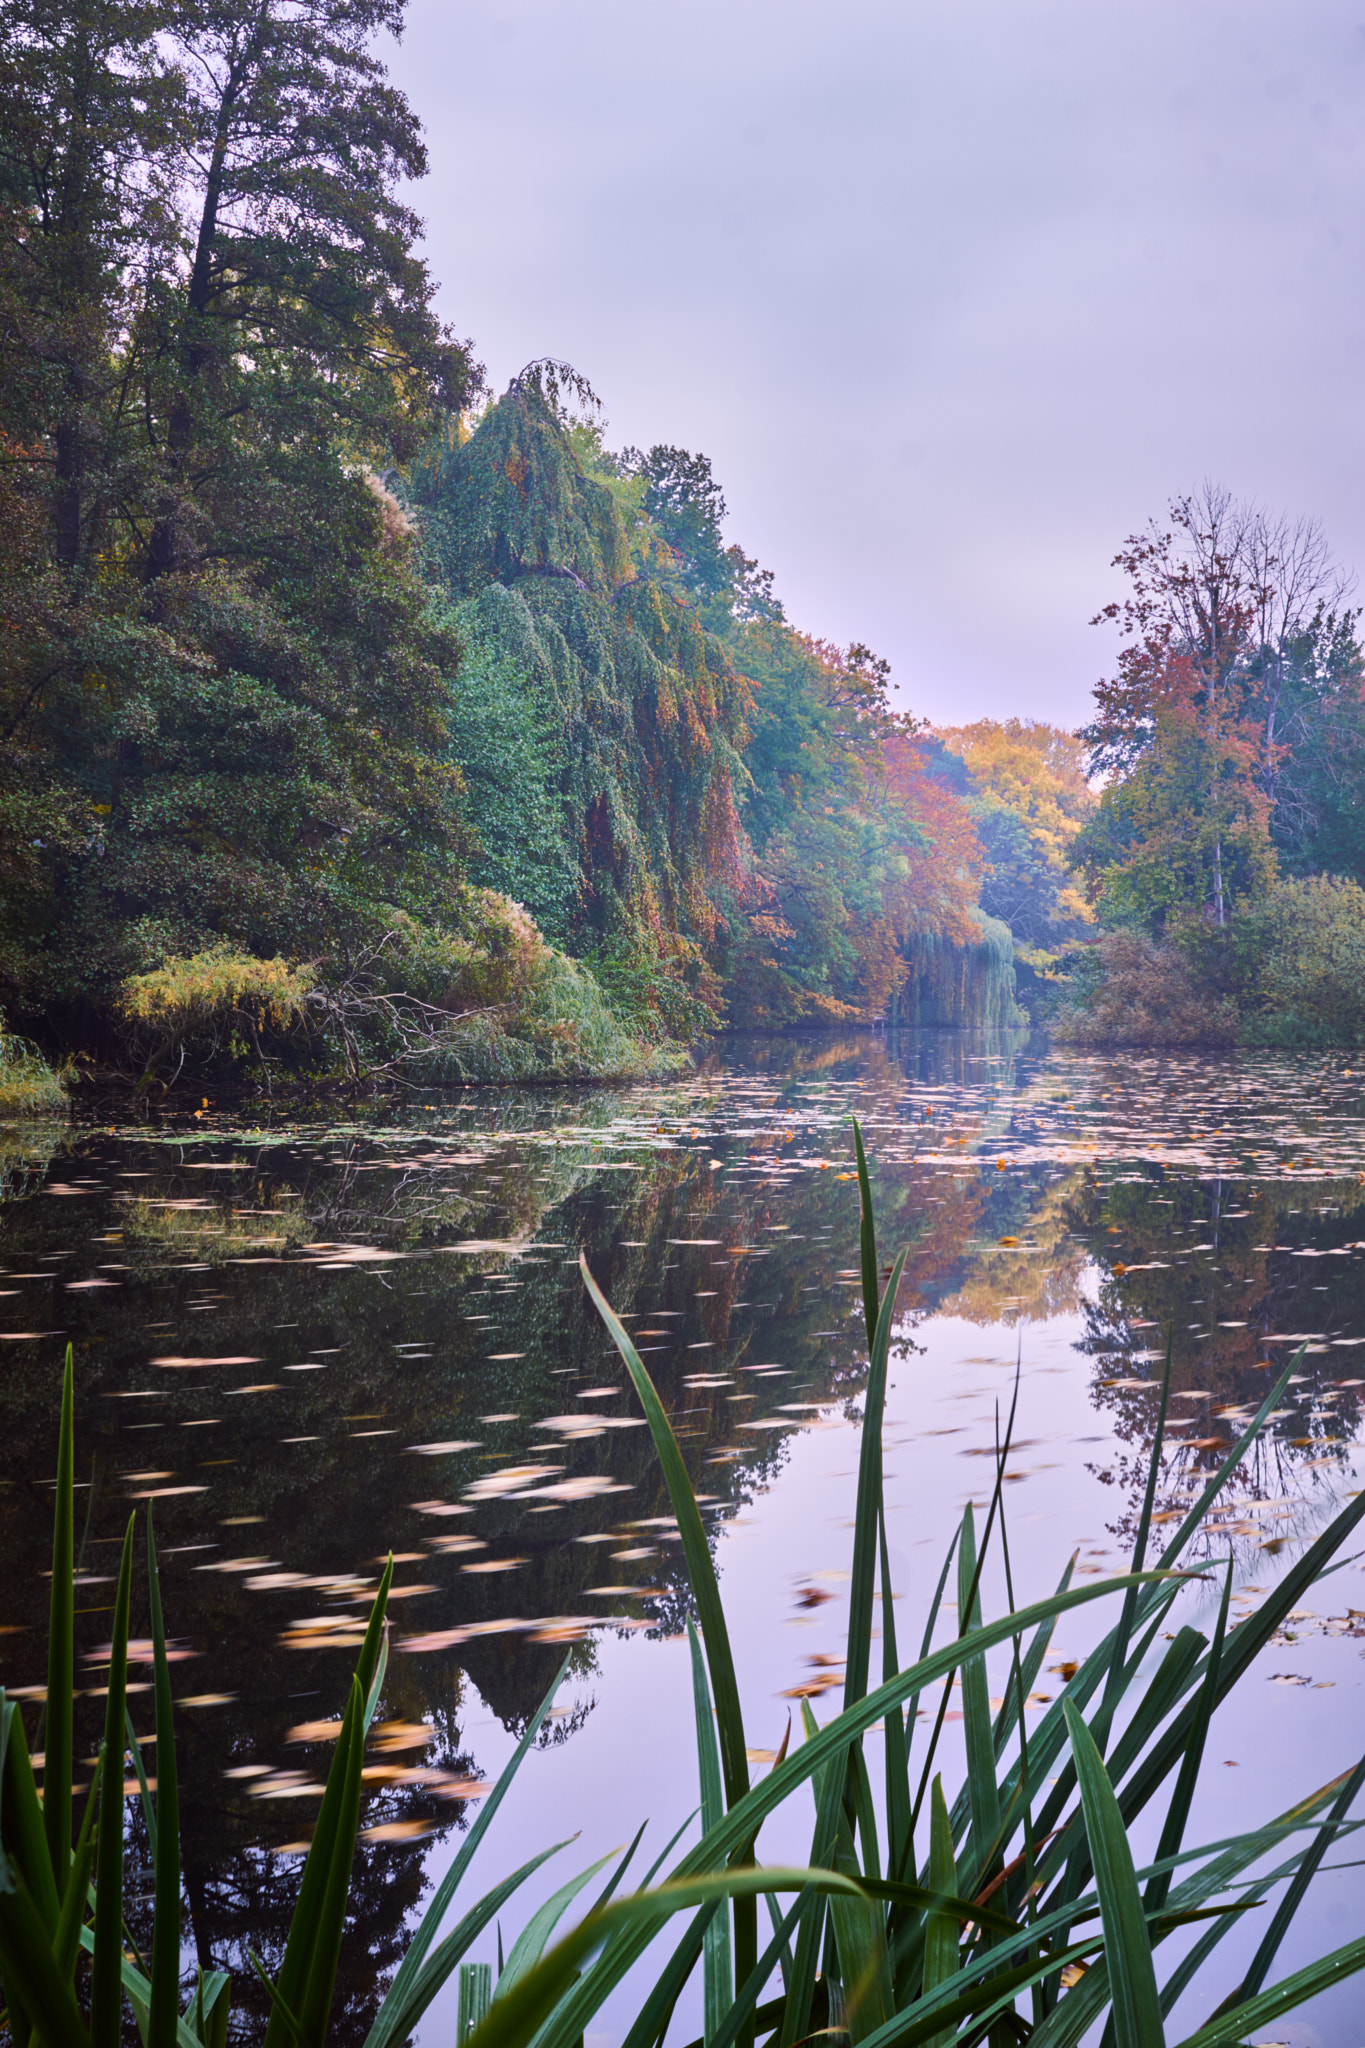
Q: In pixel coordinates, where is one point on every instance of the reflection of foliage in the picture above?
(1039, 1278)
(1253, 1285)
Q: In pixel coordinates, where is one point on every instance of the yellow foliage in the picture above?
(201, 991)
(1037, 771)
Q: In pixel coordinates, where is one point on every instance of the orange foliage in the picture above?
(944, 875)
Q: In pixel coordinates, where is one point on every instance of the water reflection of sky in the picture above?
(311, 1342)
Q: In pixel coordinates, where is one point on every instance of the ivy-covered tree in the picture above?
(638, 708)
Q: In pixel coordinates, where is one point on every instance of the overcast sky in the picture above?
(953, 294)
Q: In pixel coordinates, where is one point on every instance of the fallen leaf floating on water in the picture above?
(182, 1363)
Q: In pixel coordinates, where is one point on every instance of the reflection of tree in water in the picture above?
(1158, 1285)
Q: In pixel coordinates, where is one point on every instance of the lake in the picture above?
(311, 1340)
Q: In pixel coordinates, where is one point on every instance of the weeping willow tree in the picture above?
(952, 983)
(619, 709)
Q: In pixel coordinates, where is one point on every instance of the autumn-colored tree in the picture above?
(1033, 800)
(1184, 824)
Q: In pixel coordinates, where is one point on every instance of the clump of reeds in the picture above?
(1011, 1909)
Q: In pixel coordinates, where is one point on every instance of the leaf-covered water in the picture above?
(309, 1344)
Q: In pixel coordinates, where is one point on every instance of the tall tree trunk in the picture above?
(166, 546)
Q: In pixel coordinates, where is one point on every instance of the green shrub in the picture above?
(563, 1027)
(1309, 939)
(28, 1086)
(213, 1004)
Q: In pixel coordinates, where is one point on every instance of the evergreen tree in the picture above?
(221, 689)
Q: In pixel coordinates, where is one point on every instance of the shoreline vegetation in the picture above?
(922, 1913)
(357, 723)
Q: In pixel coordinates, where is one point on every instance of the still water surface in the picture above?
(310, 1343)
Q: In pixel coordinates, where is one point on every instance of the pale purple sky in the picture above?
(954, 293)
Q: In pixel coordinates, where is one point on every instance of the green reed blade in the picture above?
(529, 1945)
(328, 1923)
(742, 1822)
(212, 2008)
(983, 2002)
(867, 1239)
(900, 1846)
(1182, 1799)
(715, 1634)
(1284, 1997)
(860, 1923)
(512, 2022)
(1068, 2022)
(700, 1569)
(983, 1790)
(941, 1929)
(278, 2007)
(1293, 1898)
(143, 1785)
(405, 2011)
(475, 1997)
(867, 1512)
(374, 1650)
(858, 1799)
(35, 1985)
(1113, 1691)
(1049, 1737)
(312, 1951)
(912, 1699)
(1229, 1465)
(1030, 1666)
(1172, 1678)
(746, 2004)
(67, 1940)
(1195, 1959)
(106, 1983)
(138, 1991)
(330, 1845)
(1242, 1646)
(622, 1867)
(667, 1987)
(796, 2019)
(165, 1998)
(779, 1923)
(718, 1981)
(1127, 1944)
(22, 1838)
(59, 1759)
(386, 2021)
(651, 2022)
(967, 1604)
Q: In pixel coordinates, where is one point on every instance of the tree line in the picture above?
(343, 707)
(354, 718)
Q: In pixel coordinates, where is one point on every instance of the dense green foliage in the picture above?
(298, 667)
(222, 683)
